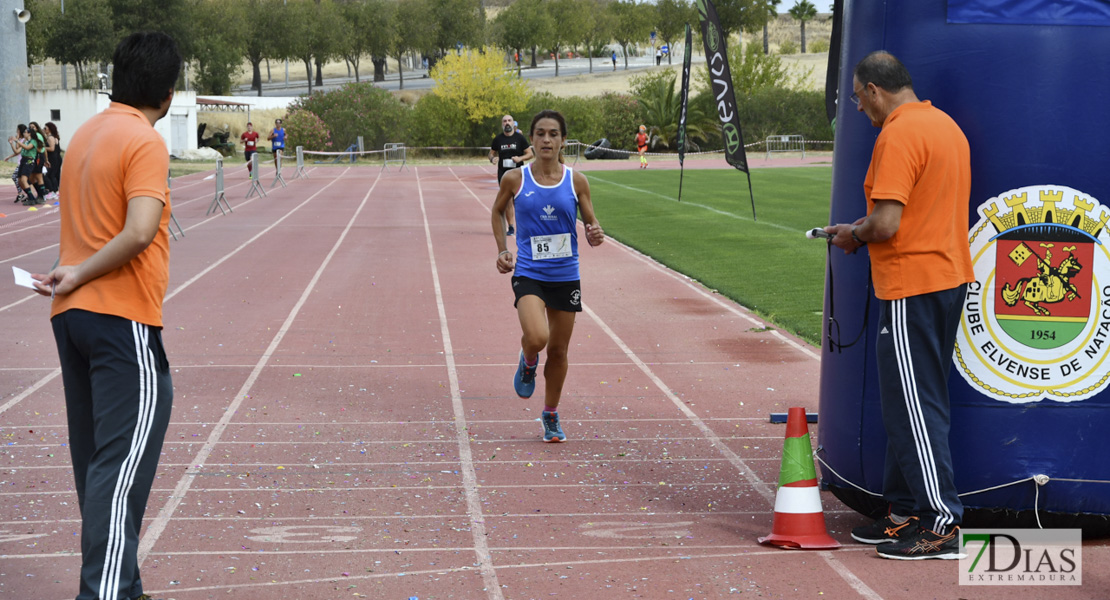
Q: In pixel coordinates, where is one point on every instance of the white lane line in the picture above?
(56, 372)
(847, 575)
(729, 305)
(757, 484)
(466, 459)
(464, 569)
(27, 392)
(158, 525)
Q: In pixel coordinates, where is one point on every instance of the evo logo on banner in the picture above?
(1021, 557)
(1036, 321)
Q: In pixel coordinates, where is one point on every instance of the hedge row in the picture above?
(377, 115)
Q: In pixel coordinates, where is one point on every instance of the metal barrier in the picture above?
(300, 164)
(219, 200)
(572, 148)
(277, 165)
(394, 153)
(256, 188)
(785, 143)
(173, 219)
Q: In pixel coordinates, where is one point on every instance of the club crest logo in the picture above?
(1036, 323)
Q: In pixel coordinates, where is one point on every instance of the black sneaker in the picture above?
(923, 545)
(885, 530)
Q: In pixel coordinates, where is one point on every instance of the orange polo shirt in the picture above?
(922, 160)
(114, 157)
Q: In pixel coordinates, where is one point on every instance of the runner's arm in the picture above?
(144, 216)
(595, 235)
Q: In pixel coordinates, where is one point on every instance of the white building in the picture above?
(68, 109)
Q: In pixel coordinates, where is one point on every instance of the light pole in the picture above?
(64, 85)
(15, 103)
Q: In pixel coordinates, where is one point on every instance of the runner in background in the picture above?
(549, 196)
(509, 150)
(642, 145)
(249, 140)
(277, 139)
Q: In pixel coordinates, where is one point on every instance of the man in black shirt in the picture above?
(508, 151)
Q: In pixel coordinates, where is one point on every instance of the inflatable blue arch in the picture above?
(1030, 384)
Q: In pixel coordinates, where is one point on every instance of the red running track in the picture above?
(344, 423)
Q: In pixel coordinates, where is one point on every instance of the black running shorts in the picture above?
(558, 295)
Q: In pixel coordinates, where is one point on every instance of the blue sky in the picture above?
(823, 6)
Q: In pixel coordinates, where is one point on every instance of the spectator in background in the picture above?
(53, 161)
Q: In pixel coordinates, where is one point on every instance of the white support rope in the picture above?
(1040, 481)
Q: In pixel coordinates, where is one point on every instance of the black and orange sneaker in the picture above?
(885, 531)
(925, 544)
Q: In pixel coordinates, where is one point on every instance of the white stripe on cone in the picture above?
(798, 500)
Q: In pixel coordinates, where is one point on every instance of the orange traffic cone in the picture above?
(799, 519)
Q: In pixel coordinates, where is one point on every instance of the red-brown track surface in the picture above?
(344, 424)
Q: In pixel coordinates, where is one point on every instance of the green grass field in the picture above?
(766, 265)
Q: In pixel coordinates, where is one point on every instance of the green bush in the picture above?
(358, 109)
(788, 47)
(583, 115)
(783, 112)
(304, 128)
(817, 46)
(619, 120)
(435, 121)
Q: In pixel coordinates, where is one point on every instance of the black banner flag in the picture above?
(685, 98)
(716, 60)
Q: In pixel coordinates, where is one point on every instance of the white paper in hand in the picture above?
(23, 278)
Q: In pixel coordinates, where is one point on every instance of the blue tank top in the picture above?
(279, 138)
(543, 211)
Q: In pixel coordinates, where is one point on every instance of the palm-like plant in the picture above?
(803, 10)
(661, 108)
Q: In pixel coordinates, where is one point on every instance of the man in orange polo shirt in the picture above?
(917, 188)
(107, 310)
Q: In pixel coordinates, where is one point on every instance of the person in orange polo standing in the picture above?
(917, 188)
(107, 310)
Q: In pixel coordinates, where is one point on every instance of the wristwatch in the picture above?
(856, 237)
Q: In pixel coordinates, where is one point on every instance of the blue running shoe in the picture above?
(525, 380)
(552, 432)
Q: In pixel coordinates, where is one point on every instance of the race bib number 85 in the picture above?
(545, 247)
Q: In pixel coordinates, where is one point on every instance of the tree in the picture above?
(458, 22)
(772, 13)
(78, 38)
(661, 106)
(172, 17)
(219, 44)
(477, 83)
(599, 27)
(369, 30)
(44, 16)
(569, 21)
(521, 26)
(326, 43)
(414, 31)
(267, 16)
(631, 22)
(738, 16)
(803, 10)
(671, 17)
(299, 41)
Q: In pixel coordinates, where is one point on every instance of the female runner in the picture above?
(548, 197)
